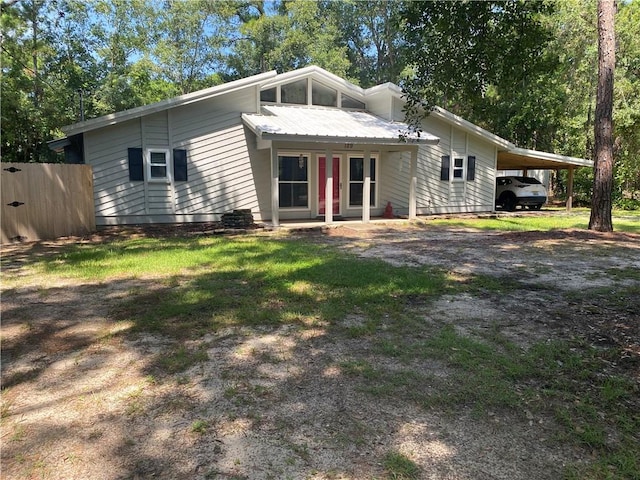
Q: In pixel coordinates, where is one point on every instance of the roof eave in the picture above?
(552, 157)
(346, 139)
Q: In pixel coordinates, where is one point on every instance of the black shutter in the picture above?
(179, 165)
(471, 168)
(136, 165)
(444, 167)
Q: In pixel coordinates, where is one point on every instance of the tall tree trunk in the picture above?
(603, 166)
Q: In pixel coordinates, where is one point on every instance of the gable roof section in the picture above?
(186, 99)
(316, 124)
(319, 74)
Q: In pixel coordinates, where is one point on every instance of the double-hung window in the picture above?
(293, 181)
(158, 167)
(356, 181)
(458, 167)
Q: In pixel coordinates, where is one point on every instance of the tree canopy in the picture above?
(524, 70)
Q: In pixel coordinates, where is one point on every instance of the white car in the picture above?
(526, 191)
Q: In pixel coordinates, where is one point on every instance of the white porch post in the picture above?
(413, 183)
(275, 195)
(366, 189)
(328, 189)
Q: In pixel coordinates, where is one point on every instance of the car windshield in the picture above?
(528, 180)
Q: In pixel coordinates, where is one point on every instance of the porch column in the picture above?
(328, 189)
(570, 190)
(275, 195)
(413, 183)
(366, 188)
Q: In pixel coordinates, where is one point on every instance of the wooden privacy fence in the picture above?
(43, 201)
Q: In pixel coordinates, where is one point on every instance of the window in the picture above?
(293, 187)
(324, 96)
(356, 182)
(268, 95)
(158, 165)
(294, 92)
(350, 102)
(458, 168)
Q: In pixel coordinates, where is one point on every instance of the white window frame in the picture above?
(306, 156)
(373, 182)
(148, 165)
(462, 169)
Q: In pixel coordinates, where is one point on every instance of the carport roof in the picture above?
(331, 125)
(522, 158)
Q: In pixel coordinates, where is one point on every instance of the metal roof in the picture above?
(313, 124)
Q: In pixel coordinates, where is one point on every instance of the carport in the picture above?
(525, 159)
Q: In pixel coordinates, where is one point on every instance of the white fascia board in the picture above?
(186, 99)
(554, 157)
(351, 140)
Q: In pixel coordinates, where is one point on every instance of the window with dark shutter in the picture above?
(179, 165)
(444, 167)
(136, 165)
(471, 168)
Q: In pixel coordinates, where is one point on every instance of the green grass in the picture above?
(209, 284)
(399, 467)
(623, 221)
(186, 288)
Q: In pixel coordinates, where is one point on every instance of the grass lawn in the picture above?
(205, 285)
(623, 221)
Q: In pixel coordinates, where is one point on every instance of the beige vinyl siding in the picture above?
(437, 196)
(431, 192)
(221, 177)
(159, 199)
(480, 193)
(155, 129)
(220, 171)
(106, 152)
(458, 141)
(394, 178)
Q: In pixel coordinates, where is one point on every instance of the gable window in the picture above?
(268, 95)
(294, 92)
(350, 102)
(356, 182)
(324, 96)
(158, 165)
(293, 181)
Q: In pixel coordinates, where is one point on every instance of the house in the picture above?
(305, 144)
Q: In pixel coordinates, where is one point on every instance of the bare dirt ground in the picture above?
(82, 401)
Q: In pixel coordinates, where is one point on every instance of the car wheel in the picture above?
(509, 202)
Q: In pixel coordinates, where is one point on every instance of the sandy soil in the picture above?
(81, 400)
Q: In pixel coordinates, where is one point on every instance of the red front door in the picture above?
(322, 183)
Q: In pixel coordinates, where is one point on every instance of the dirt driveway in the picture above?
(80, 400)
